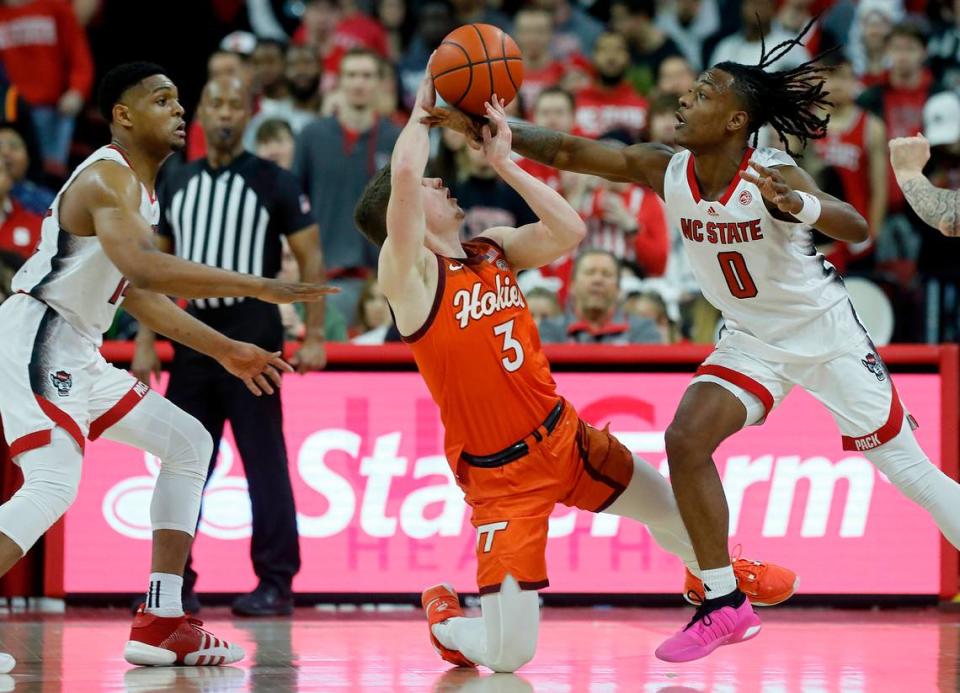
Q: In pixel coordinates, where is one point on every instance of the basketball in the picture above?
(473, 63)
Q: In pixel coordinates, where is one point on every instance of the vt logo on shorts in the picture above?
(63, 381)
(487, 532)
(873, 364)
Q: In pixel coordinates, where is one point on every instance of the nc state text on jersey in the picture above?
(722, 232)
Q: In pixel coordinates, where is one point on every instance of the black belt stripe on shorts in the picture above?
(516, 450)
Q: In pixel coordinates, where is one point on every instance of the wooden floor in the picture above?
(591, 650)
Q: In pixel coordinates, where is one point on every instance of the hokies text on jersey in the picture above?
(474, 305)
(722, 232)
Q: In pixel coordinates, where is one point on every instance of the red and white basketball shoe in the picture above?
(159, 641)
(440, 603)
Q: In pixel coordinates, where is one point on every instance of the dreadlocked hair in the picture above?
(788, 99)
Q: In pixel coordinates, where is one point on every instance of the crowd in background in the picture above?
(332, 80)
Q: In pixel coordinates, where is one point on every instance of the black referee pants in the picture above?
(200, 386)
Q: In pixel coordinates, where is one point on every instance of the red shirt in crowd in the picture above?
(19, 230)
(44, 51)
(600, 110)
(535, 81)
(647, 247)
(902, 113)
(846, 152)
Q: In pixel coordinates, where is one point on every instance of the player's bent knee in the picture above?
(685, 447)
(191, 452)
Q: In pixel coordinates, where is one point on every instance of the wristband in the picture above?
(810, 212)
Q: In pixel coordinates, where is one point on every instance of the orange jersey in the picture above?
(479, 353)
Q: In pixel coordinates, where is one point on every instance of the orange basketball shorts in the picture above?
(576, 465)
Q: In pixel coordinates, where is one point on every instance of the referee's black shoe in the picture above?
(263, 601)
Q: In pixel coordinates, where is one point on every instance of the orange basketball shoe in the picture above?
(765, 584)
(159, 641)
(440, 603)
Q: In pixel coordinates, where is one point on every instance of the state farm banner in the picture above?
(379, 511)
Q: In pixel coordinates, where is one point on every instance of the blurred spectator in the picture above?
(554, 109)
(334, 159)
(533, 31)
(689, 23)
(941, 116)
(675, 77)
(399, 23)
(543, 304)
(485, 198)
(479, 12)
(611, 102)
(374, 320)
(269, 62)
(899, 100)
(944, 52)
(224, 63)
(302, 105)
(19, 228)
(756, 17)
(388, 95)
(867, 43)
(793, 16)
(575, 31)
(594, 317)
(663, 119)
(649, 45)
(293, 315)
(16, 113)
(13, 150)
(649, 305)
(435, 22)
(45, 54)
(855, 152)
(627, 221)
(275, 142)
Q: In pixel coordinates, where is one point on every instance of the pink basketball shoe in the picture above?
(712, 626)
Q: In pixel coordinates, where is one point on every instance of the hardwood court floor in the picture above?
(590, 650)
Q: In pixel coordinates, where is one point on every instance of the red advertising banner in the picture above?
(379, 511)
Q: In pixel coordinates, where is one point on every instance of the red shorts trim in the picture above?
(885, 433)
(31, 441)
(62, 419)
(740, 380)
(528, 586)
(118, 410)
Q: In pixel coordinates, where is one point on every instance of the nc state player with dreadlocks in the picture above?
(744, 214)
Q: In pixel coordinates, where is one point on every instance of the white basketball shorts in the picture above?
(50, 375)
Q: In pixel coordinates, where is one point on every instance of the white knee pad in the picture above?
(51, 477)
(184, 448)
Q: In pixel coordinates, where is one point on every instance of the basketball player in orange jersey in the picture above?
(515, 446)
(746, 216)
(56, 390)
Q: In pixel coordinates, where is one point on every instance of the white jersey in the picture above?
(72, 274)
(779, 297)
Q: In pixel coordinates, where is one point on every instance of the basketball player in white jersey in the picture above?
(746, 215)
(56, 390)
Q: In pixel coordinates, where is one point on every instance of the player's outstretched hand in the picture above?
(455, 120)
(496, 147)
(277, 291)
(908, 155)
(258, 369)
(773, 188)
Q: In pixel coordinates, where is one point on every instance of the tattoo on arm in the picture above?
(937, 207)
(536, 143)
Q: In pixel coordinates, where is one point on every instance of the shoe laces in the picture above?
(702, 613)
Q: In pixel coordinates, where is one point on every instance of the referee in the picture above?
(230, 210)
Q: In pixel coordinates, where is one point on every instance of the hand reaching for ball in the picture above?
(458, 121)
(496, 134)
(426, 93)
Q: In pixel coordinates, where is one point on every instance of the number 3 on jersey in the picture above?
(505, 329)
(735, 271)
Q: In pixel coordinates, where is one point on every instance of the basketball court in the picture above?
(595, 650)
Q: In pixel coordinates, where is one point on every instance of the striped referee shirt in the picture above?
(231, 217)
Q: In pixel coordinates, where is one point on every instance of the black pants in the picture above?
(200, 386)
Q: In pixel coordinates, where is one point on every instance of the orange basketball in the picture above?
(475, 62)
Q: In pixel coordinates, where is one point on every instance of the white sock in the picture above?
(718, 582)
(163, 595)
